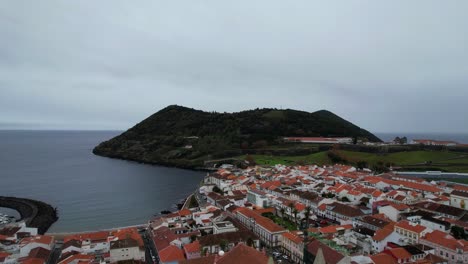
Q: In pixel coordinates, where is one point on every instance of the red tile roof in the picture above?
(77, 257)
(264, 222)
(192, 247)
(444, 240)
(399, 253)
(381, 234)
(334, 228)
(171, 254)
(95, 236)
(243, 254)
(383, 258)
(413, 228)
(290, 236)
(132, 233)
(331, 256)
(46, 240)
(185, 212)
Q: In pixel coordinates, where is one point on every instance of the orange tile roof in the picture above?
(294, 238)
(413, 228)
(300, 207)
(185, 212)
(444, 240)
(32, 261)
(94, 236)
(264, 222)
(171, 254)
(46, 240)
(381, 234)
(334, 228)
(77, 257)
(192, 247)
(131, 232)
(462, 188)
(400, 253)
(383, 258)
(243, 254)
(322, 207)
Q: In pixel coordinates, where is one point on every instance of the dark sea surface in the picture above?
(458, 137)
(90, 192)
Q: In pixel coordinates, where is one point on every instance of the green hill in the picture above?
(185, 137)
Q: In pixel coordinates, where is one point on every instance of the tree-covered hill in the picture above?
(185, 137)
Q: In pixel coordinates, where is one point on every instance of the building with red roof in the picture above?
(446, 246)
(410, 231)
(171, 254)
(268, 231)
(192, 250)
(400, 255)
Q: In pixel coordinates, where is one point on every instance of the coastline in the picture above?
(35, 213)
(61, 235)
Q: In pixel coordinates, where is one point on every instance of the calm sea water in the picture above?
(91, 192)
(458, 137)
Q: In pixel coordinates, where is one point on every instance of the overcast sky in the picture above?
(384, 65)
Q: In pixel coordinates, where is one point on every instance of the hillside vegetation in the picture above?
(185, 137)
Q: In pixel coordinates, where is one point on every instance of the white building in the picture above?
(125, 249)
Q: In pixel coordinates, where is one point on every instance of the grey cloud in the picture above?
(386, 66)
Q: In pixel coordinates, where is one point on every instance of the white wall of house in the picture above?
(129, 253)
(459, 201)
(379, 246)
(24, 251)
(390, 212)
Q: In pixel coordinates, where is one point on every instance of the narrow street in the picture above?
(151, 255)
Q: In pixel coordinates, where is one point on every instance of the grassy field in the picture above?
(460, 180)
(411, 160)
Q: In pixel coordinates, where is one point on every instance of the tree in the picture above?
(250, 242)
(291, 206)
(362, 164)
(404, 140)
(223, 244)
(307, 211)
(282, 210)
(345, 199)
(193, 238)
(458, 232)
(216, 189)
(295, 212)
(250, 160)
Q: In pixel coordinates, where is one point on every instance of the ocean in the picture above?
(90, 192)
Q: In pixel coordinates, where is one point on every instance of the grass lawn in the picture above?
(441, 160)
(284, 222)
(316, 158)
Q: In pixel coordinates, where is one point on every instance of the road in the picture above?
(149, 248)
(201, 199)
(55, 254)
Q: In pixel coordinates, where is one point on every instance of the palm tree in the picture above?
(291, 206)
(307, 211)
(282, 210)
(295, 212)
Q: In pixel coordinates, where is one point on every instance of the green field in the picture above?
(412, 160)
(459, 180)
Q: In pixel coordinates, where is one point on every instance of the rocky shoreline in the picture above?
(35, 213)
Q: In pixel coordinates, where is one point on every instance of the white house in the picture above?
(126, 249)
